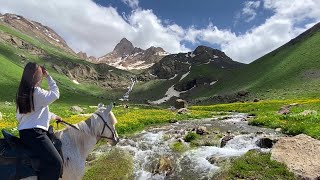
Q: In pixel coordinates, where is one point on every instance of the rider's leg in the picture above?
(50, 161)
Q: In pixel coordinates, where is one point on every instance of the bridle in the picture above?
(104, 127)
(105, 124)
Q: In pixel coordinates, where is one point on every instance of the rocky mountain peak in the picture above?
(124, 47)
(126, 56)
(204, 50)
(155, 51)
(137, 50)
(82, 55)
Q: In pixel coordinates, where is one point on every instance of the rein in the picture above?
(105, 125)
(66, 123)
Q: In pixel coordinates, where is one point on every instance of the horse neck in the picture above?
(85, 138)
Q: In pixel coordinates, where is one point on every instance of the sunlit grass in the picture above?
(255, 165)
(266, 115)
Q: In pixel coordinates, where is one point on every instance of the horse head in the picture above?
(105, 124)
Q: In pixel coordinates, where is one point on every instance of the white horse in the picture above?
(77, 144)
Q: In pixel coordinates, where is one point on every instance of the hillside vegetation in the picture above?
(13, 57)
(291, 71)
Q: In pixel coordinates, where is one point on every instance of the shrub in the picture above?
(191, 136)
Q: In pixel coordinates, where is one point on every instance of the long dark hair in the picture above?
(30, 78)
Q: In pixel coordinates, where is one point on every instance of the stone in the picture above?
(284, 110)
(76, 109)
(264, 143)
(201, 130)
(244, 119)
(180, 103)
(256, 100)
(300, 154)
(225, 139)
(214, 159)
(173, 121)
(243, 93)
(183, 111)
(180, 140)
(164, 166)
(278, 130)
(308, 112)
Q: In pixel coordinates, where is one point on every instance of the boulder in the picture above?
(284, 110)
(219, 160)
(308, 112)
(183, 111)
(201, 130)
(164, 166)
(225, 139)
(243, 93)
(264, 143)
(180, 103)
(300, 154)
(278, 130)
(173, 121)
(76, 109)
(57, 68)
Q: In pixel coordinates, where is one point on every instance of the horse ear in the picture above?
(108, 109)
(100, 105)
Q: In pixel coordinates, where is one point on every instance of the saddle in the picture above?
(17, 161)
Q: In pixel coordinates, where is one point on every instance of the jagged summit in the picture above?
(126, 56)
(182, 62)
(124, 47)
(209, 51)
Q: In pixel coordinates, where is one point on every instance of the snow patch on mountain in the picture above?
(184, 75)
(171, 92)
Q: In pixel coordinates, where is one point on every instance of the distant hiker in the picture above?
(34, 116)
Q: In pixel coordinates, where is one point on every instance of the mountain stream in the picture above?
(154, 157)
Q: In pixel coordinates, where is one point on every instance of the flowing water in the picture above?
(153, 144)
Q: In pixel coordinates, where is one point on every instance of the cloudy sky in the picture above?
(244, 30)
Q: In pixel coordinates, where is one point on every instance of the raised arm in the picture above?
(44, 97)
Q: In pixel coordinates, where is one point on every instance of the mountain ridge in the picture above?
(127, 57)
(35, 29)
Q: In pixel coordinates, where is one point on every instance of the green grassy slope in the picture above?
(290, 71)
(12, 66)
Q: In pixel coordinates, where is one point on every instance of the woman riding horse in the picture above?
(34, 116)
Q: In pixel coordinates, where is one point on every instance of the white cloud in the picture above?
(131, 3)
(96, 30)
(150, 31)
(249, 10)
(260, 40)
(288, 20)
(211, 34)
